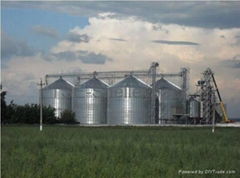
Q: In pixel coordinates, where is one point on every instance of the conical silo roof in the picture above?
(59, 84)
(131, 82)
(165, 84)
(94, 83)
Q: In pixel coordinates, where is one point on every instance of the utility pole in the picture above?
(40, 103)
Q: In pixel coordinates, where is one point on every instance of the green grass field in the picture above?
(65, 151)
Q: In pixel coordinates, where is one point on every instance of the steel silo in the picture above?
(194, 108)
(58, 95)
(129, 102)
(90, 102)
(171, 100)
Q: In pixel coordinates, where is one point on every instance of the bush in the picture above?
(49, 115)
(67, 117)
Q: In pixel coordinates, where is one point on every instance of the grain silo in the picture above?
(171, 101)
(194, 108)
(129, 102)
(90, 102)
(58, 95)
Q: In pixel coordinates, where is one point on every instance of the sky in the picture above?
(39, 38)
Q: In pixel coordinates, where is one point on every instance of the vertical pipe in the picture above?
(184, 77)
(213, 114)
(153, 73)
(153, 94)
(185, 86)
(160, 121)
(46, 79)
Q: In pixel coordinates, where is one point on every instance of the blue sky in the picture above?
(44, 37)
(19, 23)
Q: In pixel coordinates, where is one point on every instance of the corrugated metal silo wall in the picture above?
(171, 102)
(90, 105)
(194, 108)
(129, 106)
(59, 99)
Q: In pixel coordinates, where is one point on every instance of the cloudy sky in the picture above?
(39, 38)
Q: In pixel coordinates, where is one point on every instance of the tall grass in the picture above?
(117, 151)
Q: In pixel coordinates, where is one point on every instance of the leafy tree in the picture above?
(3, 106)
(29, 114)
(10, 113)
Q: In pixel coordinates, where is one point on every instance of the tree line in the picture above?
(30, 113)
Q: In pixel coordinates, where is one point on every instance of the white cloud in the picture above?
(140, 34)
